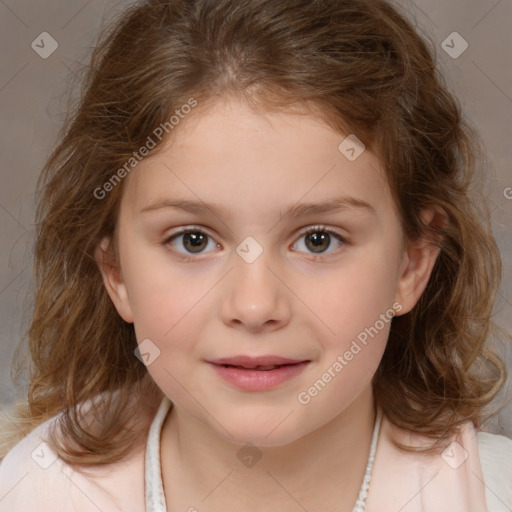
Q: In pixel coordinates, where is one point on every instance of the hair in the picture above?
(361, 67)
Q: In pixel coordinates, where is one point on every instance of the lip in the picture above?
(252, 362)
(253, 379)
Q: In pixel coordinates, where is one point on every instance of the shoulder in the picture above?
(33, 477)
(495, 453)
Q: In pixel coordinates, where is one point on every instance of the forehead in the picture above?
(231, 154)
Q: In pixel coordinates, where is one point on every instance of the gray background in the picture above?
(32, 106)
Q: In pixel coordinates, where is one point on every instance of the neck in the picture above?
(322, 470)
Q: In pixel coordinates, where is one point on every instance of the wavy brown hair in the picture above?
(361, 67)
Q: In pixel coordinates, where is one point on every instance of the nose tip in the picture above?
(254, 297)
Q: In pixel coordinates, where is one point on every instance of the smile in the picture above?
(260, 377)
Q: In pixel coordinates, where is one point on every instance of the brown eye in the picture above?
(190, 241)
(195, 241)
(318, 240)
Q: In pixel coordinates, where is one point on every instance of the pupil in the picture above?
(193, 240)
(317, 239)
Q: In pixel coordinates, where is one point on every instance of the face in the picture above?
(250, 278)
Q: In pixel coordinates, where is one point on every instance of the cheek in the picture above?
(168, 311)
(161, 295)
(357, 307)
(354, 298)
(359, 318)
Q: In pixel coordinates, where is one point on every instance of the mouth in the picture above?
(267, 362)
(259, 367)
(258, 377)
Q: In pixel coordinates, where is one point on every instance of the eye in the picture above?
(319, 238)
(193, 240)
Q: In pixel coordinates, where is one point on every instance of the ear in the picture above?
(113, 279)
(418, 262)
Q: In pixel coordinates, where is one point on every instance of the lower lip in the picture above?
(258, 380)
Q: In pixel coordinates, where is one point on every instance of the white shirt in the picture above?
(135, 484)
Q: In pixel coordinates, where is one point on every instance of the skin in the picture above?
(290, 302)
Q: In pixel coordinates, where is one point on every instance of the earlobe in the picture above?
(418, 262)
(113, 279)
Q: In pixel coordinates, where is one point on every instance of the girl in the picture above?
(262, 281)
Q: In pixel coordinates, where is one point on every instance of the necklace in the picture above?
(154, 489)
(360, 505)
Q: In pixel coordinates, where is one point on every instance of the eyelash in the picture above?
(197, 229)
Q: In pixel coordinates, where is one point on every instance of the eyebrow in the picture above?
(296, 210)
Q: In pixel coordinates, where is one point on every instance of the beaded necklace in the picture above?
(154, 490)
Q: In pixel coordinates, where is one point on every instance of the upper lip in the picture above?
(253, 362)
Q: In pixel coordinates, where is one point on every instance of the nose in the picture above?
(254, 297)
